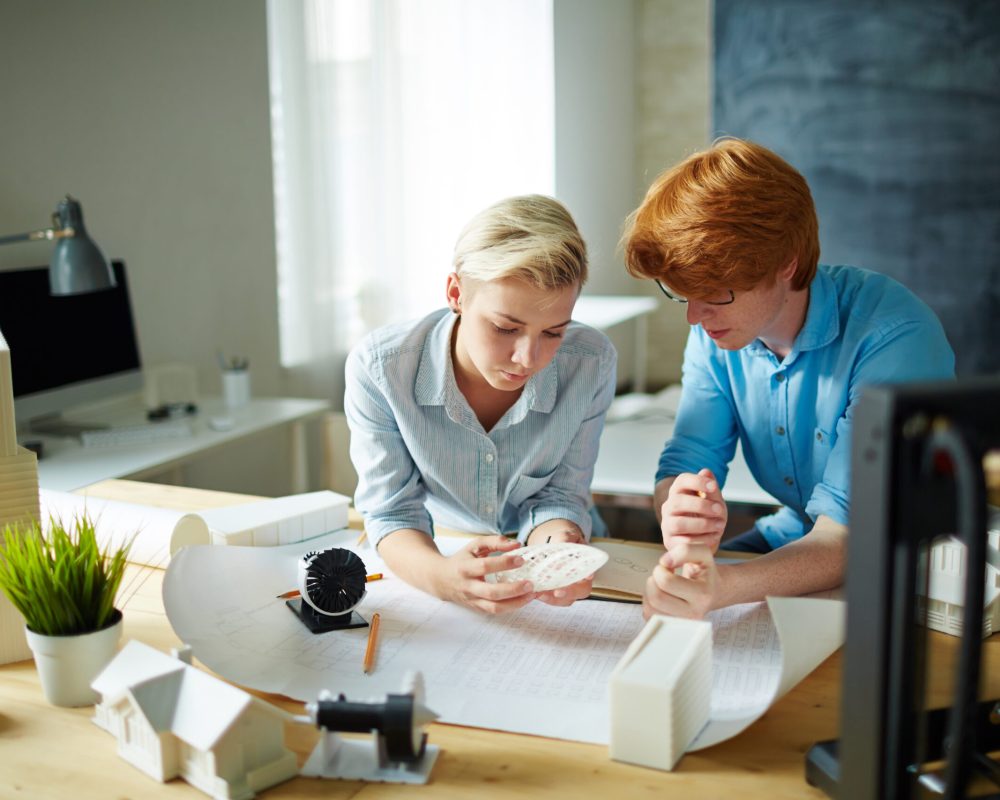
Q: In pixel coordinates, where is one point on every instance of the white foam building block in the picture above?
(18, 504)
(661, 691)
(283, 520)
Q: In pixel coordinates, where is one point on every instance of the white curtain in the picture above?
(393, 121)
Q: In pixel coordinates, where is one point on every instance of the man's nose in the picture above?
(696, 311)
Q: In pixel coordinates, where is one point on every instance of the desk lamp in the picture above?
(77, 265)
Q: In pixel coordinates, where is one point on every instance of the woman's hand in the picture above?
(461, 577)
(561, 531)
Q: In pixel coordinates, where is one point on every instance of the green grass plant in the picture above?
(61, 580)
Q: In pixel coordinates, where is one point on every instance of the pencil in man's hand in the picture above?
(372, 640)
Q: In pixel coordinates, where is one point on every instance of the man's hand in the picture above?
(685, 583)
(694, 511)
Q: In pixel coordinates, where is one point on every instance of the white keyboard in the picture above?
(137, 434)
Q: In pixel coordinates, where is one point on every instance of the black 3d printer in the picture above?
(923, 464)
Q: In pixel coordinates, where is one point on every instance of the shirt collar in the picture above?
(821, 325)
(436, 384)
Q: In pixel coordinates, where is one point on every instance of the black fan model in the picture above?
(331, 584)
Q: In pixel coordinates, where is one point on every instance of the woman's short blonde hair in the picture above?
(532, 238)
(730, 217)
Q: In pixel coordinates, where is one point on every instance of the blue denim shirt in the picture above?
(423, 458)
(793, 416)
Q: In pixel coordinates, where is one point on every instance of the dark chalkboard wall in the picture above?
(892, 112)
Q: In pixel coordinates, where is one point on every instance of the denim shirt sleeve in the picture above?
(390, 493)
(567, 494)
(705, 431)
(899, 352)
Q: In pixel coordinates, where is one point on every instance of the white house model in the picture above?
(946, 586)
(172, 720)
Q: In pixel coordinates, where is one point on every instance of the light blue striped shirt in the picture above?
(423, 459)
(793, 416)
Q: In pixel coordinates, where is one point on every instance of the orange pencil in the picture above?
(375, 576)
(372, 640)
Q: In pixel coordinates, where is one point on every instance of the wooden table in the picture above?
(49, 752)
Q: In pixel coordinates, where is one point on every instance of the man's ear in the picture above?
(789, 269)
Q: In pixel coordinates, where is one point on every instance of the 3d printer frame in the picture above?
(917, 472)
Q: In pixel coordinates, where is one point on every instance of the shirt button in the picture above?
(789, 481)
(779, 430)
(489, 458)
(819, 437)
(489, 509)
(779, 377)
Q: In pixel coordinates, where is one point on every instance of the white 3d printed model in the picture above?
(660, 692)
(173, 720)
(946, 586)
(397, 751)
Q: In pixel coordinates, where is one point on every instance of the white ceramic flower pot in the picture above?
(68, 664)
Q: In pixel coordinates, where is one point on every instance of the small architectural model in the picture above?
(397, 752)
(660, 692)
(173, 720)
(946, 586)
(280, 520)
(18, 503)
(552, 566)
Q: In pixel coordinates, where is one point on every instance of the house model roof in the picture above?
(174, 696)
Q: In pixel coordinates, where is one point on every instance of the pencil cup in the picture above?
(236, 387)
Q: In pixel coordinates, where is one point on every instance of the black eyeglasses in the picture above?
(678, 299)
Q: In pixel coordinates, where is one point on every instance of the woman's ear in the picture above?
(453, 293)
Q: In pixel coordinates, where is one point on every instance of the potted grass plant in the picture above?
(65, 586)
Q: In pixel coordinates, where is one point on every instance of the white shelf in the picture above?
(67, 465)
(606, 311)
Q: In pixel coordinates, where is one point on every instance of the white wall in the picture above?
(633, 96)
(594, 52)
(673, 113)
(595, 128)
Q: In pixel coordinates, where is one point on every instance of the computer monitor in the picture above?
(66, 351)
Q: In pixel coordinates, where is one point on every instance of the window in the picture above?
(392, 124)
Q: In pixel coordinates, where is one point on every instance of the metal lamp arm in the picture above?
(36, 236)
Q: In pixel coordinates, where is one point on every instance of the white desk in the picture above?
(629, 454)
(67, 465)
(606, 311)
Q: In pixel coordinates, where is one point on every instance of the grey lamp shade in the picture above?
(78, 266)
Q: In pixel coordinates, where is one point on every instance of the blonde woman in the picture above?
(485, 416)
